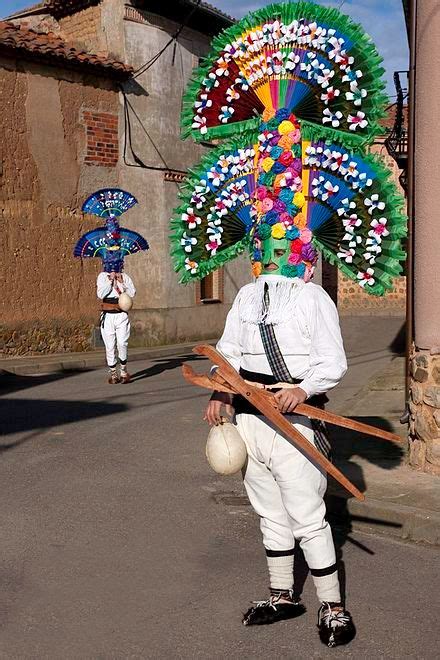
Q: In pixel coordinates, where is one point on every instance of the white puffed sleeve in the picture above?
(229, 343)
(103, 286)
(328, 362)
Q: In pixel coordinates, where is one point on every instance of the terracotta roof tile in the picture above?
(21, 41)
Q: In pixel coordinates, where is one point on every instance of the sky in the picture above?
(382, 19)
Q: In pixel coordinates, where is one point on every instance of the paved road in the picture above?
(119, 542)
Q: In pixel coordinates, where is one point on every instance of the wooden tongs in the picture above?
(226, 379)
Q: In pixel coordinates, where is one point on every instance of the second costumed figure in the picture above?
(114, 288)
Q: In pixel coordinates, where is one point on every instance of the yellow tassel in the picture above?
(305, 178)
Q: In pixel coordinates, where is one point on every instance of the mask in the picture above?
(275, 253)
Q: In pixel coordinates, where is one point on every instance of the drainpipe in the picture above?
(410, 198)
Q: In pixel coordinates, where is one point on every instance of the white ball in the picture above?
(225, 449)
(125, 302)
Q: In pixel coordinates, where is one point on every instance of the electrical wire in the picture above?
(129, 145)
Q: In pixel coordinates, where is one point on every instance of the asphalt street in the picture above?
(118, 541)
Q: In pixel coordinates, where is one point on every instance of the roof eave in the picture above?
(228, 20)
(33, 10)
(97, 70)
(202, 17)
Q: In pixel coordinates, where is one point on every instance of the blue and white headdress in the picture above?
(111, 243)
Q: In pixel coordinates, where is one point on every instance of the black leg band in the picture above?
(322, 572)
(123, 362)
(279, 553)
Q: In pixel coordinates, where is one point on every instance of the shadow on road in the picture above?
(23, 415)
(398, 345)
(165, 364)
(10, 382)
(345, 445)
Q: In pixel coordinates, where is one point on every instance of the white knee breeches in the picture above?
(286, 490)
(115, 331)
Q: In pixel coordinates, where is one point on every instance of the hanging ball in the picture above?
(225, 450)
(125, 302)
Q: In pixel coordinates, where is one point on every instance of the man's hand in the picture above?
(288, 399)
(213, 410)
(119, 278)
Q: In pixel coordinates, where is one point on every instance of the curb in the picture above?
(42, 365)
(386, 518)
(372, 516)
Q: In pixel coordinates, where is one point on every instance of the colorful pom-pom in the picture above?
(285, 127)
(278, 230)
(289, 271)
(256, 269)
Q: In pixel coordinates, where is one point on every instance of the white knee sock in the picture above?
(280, 572)
(327, 588)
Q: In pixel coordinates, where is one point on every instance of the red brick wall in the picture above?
(102, 144)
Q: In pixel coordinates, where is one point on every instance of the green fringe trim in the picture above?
(363, 50)
(315, 133)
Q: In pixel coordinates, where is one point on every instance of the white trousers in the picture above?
(115, 332)
(286, 490)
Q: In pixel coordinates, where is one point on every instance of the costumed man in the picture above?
(286, 330)
(115, 288)
(293, 181)
(115, 323)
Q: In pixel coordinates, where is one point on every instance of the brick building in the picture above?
(98, 128)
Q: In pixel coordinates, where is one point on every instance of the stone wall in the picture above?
(48, 301)
(34, 337)
(424, 431)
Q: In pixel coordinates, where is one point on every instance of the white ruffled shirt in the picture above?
(309, 336)
(105, 289)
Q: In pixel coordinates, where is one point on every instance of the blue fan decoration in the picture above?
(94, 243)
(111, 243)
(109, 202)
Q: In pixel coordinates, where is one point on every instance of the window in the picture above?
(210, 289)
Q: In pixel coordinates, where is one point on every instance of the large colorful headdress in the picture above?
(297, 91)
(110, 243)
